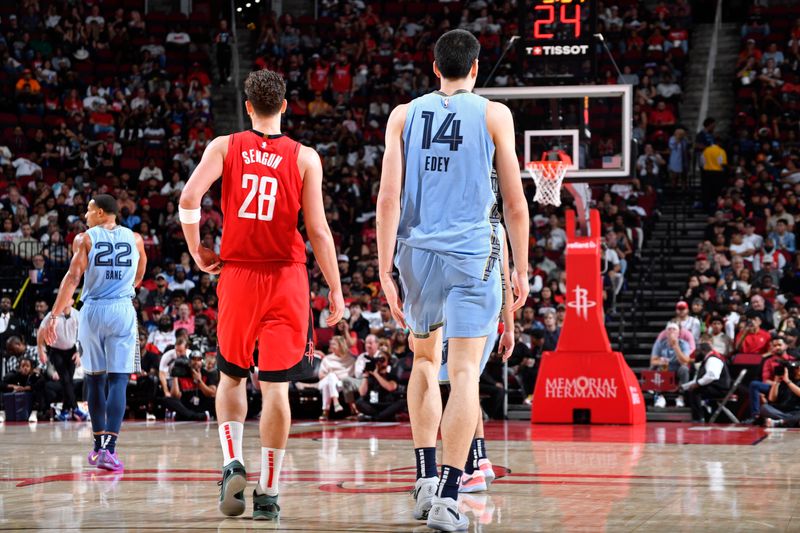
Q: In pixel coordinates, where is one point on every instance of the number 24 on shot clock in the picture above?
(558, 27)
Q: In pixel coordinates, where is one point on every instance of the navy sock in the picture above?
(448, 484)
(98, 442)
(426, 462)
(115, 403)
(480, 446)
(110, 442)
(96, 398)
(472, 459)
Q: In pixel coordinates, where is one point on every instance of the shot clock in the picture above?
(557, 39)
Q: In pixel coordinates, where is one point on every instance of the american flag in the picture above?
(612, 161)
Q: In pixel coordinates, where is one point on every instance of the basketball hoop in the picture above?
(548, 176)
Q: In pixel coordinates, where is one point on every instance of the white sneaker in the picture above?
(679, 402)
(2, 416)
(445, 516)
(34, 416)
(660, 402)
(423, 493)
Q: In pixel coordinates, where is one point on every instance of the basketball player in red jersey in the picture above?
(263, 284)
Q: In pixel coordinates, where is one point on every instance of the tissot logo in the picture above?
(565, 50)
(581, 387)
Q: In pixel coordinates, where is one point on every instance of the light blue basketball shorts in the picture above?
(487, 351)
(437, 294)
(108, 336)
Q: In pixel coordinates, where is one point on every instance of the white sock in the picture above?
(230, 438)
(271, 461)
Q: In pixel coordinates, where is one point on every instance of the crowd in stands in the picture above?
(108, 100)
(744, 289)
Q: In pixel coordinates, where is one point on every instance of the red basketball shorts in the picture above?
(268, 303)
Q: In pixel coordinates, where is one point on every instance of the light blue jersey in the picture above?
(108, 329)
(447, 197)
(113, 260)
(448, 246)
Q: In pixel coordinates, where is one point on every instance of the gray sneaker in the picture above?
(444, 515)
(231, 489)
(265, 507)
(423, 493)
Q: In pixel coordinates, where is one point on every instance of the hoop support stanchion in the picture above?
(583, 379)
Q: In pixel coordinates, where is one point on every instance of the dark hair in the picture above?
(455, 52)
(107, 203)
(707, 122)
(265, 90)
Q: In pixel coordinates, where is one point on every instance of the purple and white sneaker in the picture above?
(109, 461)
(93, 457)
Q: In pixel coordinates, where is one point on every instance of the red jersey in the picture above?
(262, 192)
(319, 77)
(342, 79)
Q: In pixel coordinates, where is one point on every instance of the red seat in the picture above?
(658, 381)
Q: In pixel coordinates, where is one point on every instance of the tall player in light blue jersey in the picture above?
(434, 205)
(113, 260)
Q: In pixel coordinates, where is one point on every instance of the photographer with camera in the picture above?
(711, 381)
(784, 396)
(377, 401)
(192, 396)
(167, 363)
(371, 351)
(772, 360)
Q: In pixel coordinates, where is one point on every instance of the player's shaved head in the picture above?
(265, 90)
(107, 203)
(455, 52)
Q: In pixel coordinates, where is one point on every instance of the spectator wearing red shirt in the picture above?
(198, 74)
(662, 115)
(101, 120)
(209, 213)
(73, 103)
(185, 319)
(318, 75)
(342, 81)
(756, 388)
(297, 106)
(752, 339)
(749, 51)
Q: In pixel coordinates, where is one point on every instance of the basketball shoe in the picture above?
(474, 482)
(231, 489)
(109, 461)
(445, 516)
(93, 457)
(265, 507)
(423, 493)
(488, 472)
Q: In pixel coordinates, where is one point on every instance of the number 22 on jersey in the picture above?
(265, 204)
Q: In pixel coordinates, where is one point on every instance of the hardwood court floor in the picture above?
(356, 477)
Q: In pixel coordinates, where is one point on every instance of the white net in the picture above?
(548, 176)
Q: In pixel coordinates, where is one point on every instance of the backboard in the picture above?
(591, 123)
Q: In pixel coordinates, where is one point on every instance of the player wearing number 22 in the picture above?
(112, 261)
(435, 205)
(263, 285)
